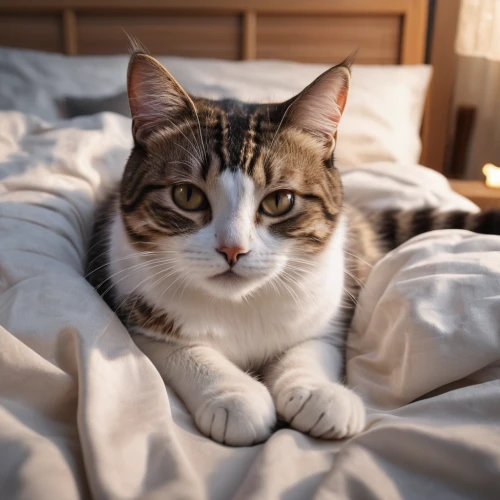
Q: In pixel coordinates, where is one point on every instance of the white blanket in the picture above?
(83, 412)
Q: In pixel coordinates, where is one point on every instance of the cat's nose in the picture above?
(232, 254)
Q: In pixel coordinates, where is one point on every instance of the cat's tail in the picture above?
(394, 227)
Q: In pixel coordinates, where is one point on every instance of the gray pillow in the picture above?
(80, 106)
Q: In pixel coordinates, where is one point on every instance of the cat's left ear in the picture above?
(319, 107)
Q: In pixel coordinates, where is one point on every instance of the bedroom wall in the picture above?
(477, 88)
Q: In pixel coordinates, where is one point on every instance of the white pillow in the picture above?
(381, 121)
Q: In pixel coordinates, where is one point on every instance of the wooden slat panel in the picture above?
(271, 6)
(38, 32)
(328, 39)
(176, 34)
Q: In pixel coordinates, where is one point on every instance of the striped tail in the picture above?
(394, 227)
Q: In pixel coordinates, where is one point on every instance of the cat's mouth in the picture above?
(229, 275)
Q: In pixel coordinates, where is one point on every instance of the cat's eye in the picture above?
(277, 203)
(189, 197)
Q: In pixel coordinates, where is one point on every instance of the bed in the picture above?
(84, 414)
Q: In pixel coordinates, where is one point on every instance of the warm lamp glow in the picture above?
(492, 174)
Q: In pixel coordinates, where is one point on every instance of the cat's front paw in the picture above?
(241, 414)
(321, 409)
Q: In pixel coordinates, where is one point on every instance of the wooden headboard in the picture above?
(323, 31)
(320, 31)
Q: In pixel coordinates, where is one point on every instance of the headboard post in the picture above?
(414, 32)
(249, 35)
(70, 34)
(436, 129)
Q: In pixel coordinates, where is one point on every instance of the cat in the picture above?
(229, 255)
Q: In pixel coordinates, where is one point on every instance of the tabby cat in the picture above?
(228, 254)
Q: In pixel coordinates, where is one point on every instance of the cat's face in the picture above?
(226, 196)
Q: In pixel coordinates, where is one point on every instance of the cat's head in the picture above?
(232, 196)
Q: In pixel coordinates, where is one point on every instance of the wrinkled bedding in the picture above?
(84, 413)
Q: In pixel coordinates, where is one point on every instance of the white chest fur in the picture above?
(250, 331)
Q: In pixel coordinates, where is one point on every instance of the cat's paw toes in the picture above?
(324, 410)
(240, 415)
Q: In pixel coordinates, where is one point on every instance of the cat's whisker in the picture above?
(132, 308)
(352, 297)
(98, 242)
(302, 287)
(312, 268)
(185, 286)
(360, 283)
(196, 148)
(135, 288)
(272, 282)
(290, 291)
(205, 154)
(198, 162)
(114, 284)
(300, 271)
(136, 268)
(355, 301)
(289, 277)
(184, 276)
(141, 264)
(276, 134)
(170, 273)
(301, 259)
(359, 258)
(160, 273)
(131, 256)
(187, 174)
(168, 287)
(187, 281)
(303, 263)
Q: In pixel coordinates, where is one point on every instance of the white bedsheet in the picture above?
(83, 412)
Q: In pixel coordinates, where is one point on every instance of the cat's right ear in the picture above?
(319, 107)
(155, 98)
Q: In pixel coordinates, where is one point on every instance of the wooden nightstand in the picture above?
(484, 197)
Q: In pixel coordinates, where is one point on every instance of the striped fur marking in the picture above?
(137, 313)
(395, 227)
